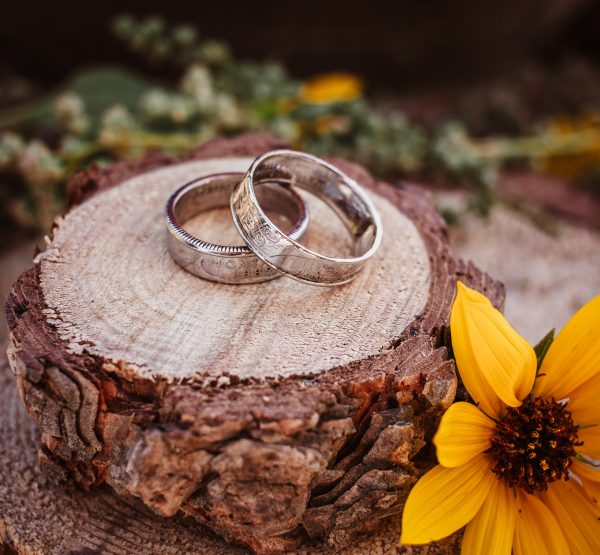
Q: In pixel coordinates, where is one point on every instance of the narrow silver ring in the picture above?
(347, 199)
(226, 264)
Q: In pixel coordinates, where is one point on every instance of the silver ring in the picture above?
(226, 264)
(348, 200)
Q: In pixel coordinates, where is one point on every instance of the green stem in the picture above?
(539, 146)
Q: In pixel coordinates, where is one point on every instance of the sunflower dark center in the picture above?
(534, 444)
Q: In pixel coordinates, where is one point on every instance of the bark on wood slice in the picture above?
(38, 516)
(275, 414)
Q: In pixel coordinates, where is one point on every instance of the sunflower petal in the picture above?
(592, 490)
(464, 432)
(590, 477)
(495, 363)
(444, 500)
(492, 529)
(574, 356)
(583, 402)
(591, 441)
(585, 471)
(577, 516)
(536, 529)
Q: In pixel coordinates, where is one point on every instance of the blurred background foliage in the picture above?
(108, 113)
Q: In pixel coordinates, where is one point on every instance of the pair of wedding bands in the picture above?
(269, 252)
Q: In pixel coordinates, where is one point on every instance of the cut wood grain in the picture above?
(275, 414)
(112, 290)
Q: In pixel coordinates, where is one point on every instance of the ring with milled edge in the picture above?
(226, 264)
(281, 251)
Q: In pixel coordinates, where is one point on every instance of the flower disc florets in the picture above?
(533, 444)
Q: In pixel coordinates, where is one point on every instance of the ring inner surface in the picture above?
(214, 192)
(330, 186)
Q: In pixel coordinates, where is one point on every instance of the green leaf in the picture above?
(103, 87)
(99, 87)
(542, 348)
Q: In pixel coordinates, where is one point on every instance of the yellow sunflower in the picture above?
(331, 88)
(520, 467)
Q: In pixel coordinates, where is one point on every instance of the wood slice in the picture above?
(276, 414)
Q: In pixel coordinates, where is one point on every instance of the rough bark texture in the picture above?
(38, 516)
(271, 462)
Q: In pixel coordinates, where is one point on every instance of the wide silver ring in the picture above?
(226, 264)
(281, 251)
